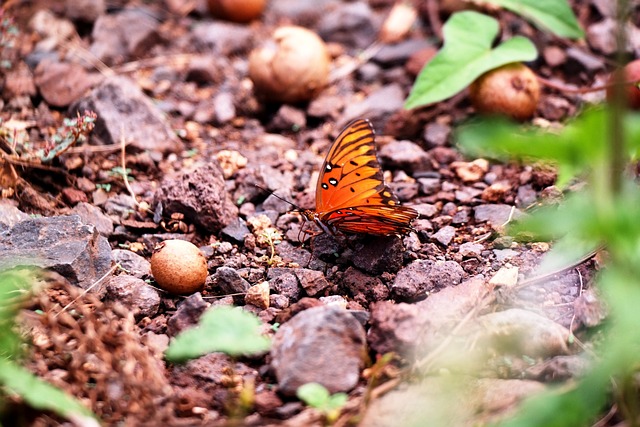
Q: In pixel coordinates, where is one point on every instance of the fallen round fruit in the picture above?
(237, 10)
(512, 90)
(292, 66)
(630, 73)
(179, 267)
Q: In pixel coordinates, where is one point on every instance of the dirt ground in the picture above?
(202, 153)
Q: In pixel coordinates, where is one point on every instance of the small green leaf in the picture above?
(555, 16)
(226, 329)
(466, 54)
(313, 394)
(42, 395)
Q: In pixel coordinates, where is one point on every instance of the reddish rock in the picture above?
(420, 277)
(363, 288)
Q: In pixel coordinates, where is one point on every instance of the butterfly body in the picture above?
(351, 196)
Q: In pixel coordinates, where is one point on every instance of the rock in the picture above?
(187, 314)
(364, 289)
(587, 61)
(223, 107)
(496, 215)
(379, 255)
(134, 293)
(61, 84)
(258, 295)
(436, 134)
(378, 106)
(470, 250)
(420, 277)
(405, 155)
(122, 108)
(287, 285)
(222, 38)
(62, 244)
(559, 368)
(10, 215)
(92, 215)
(414, 329)
(73, 196)
(132, 263)
(228, 281)
(478, 401)
(236, 230)
(350, 24)
(322, 344)
(399, 53)
(200, 195)
(204, 70)
(18, 83)
(86, 11)
(288, 118)
(425, 210)
(312, 281)
(589, 308)
(445, 235)
(300, 306)
(602, 36)
(521, 332)
(130, 33)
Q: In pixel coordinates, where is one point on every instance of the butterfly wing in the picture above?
(351, 195)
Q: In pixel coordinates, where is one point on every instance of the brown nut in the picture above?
(630, 73)
(237, 10)
(179, 267)
(512, 90)
(291, 67)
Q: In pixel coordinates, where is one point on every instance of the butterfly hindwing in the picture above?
(351, 195)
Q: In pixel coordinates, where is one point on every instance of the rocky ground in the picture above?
(168, 83)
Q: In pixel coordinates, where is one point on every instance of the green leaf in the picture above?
(555, 16)
(466, 54)
(313, 394)
(226, 329)
(42, 395)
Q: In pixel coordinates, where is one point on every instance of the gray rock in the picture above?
(134, 264)
(322, 344)
(423, 276)
(405, 155)
(122, 108)
(92, 215)
(224, 38)
(350, 24)
(399, 53)
(312, 281)
(444, 235)
(134, 293)
(378, 106)
(236, 230)
(496, 215)
(123, 35)
(379, 255)
(286, 285)
(10, 215)
(200, 195)
(471, 250)
(229, 281)
(187, 314)
(63, 244)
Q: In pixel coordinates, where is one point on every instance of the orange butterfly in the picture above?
(351, 196)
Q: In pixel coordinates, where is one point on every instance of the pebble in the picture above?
(471, 250)
(93, 215)
(420, 277)
(228, 281)
(312, 281)
(405, 155)
(61, 84)
(445, 235)
(132, 263)
(323, 344)
(134, 293)
(187, 314)
(364, 288)
(379, 254)
(350, 24)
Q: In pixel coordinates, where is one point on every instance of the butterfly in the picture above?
(351, 196)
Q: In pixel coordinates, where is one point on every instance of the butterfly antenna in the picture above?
(295, 207)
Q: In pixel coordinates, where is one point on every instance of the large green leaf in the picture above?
(555, 16)
(226, 329)
(467, 53)
(42, 395)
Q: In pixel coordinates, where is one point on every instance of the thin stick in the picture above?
(126, 177)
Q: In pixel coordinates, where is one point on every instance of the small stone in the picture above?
(590, 309)
(132, 263)
(445, 235)
(134, 293)
(497, 215)
(289, 118)
(312, 281)
(223, 38)
(224, 108)
(350, 24)
(436, 134)
(425, 210)
(405, 155)
(187, 314)
(228, 281)
(363, 288)
(379, 254)
(10, 215)
(378, 106)
(93, 215)
(200, 195)
(258, 295)
(287, 285)
(121, 107)
(506, 276)
(334, 301)
(471, 171)
(236, 230)
(471, 250)
(323, 344)
(61, 84)
(420, 277)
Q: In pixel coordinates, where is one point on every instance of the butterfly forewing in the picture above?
(351, 195)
